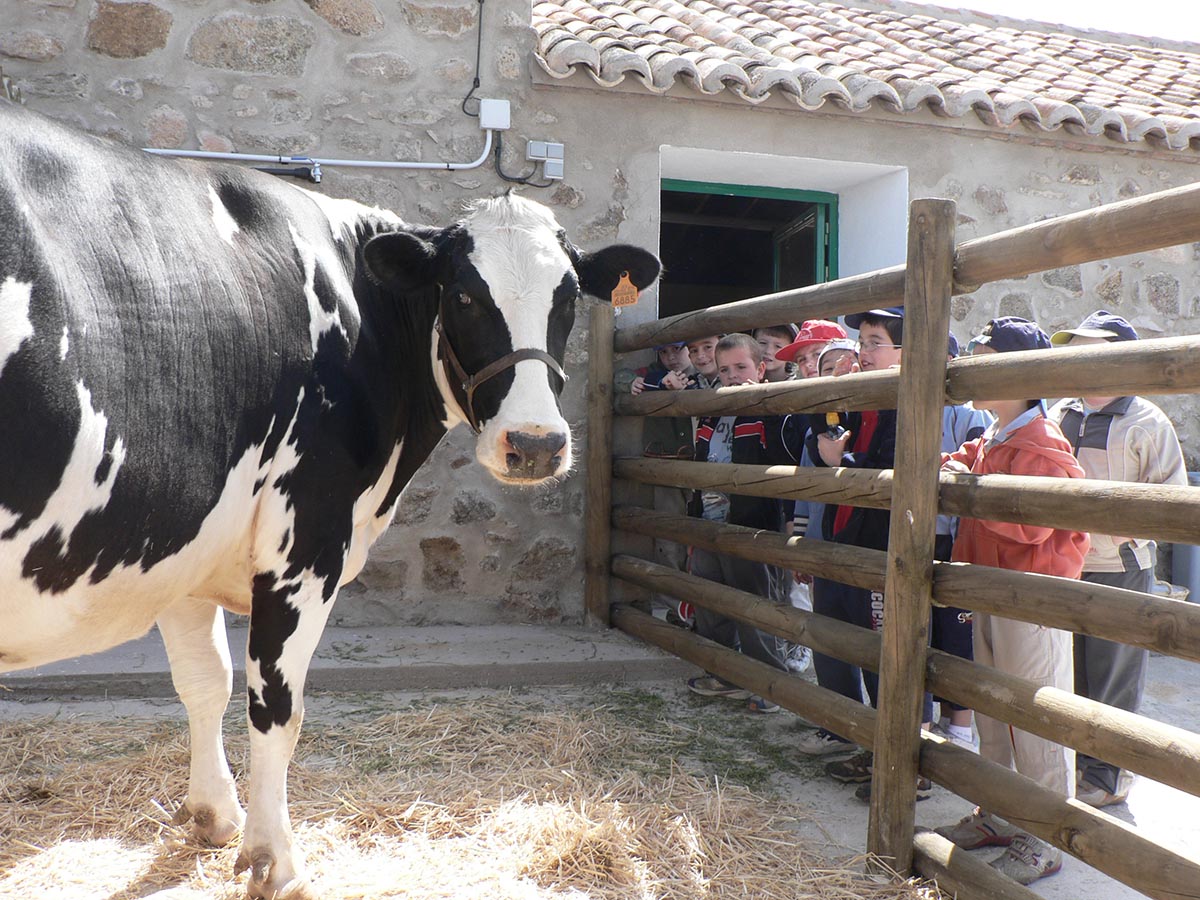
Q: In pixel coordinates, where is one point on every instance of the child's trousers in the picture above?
(1041, 655)
(745, 575)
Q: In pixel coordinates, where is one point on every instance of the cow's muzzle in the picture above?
(532, 457)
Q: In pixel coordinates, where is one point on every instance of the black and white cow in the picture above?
(214, 386)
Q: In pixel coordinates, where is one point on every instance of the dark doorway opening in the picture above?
(721, 243)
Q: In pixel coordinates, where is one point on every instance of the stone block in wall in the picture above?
(1162, 292)
(1110, 289)
(440, 17)
(1068, 278)
(36, 46)
(472, 506)
(443, 564)
(547, 558)
(357, 17)
(167, 128)
(992, 200)
(127, 29)
(386, 67)
(1016, 304)
(55, 85)
(270, 45)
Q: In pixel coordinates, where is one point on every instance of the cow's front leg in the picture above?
(194, 634)
(285, 625)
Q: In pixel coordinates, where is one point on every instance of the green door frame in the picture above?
(827, 213)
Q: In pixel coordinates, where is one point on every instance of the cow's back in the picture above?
(159, 323)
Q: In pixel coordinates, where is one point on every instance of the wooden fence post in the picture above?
(908, 588)
(598, 529)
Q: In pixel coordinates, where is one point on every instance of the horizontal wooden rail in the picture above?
(884, 287)
(855, 566)
(862, 390)
(1129, 617)
(1155, 366)
(959, 874)
(1150, 222)
(1153, 511)
(1157, 220)
(1096, 838)
(1162, 752)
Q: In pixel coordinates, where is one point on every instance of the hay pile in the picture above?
(497, 799)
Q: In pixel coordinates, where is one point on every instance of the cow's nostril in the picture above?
(512, 459)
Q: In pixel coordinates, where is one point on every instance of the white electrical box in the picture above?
(495, 115)
(553, 169)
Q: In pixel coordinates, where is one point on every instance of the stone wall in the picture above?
(385, 79)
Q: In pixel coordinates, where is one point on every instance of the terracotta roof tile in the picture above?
(818, 53)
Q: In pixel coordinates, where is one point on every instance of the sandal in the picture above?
(762, 705)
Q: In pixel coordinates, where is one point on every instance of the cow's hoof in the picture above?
(271, 881)
(210, 826)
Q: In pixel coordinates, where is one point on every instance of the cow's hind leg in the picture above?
(194, 633)
(286, 622)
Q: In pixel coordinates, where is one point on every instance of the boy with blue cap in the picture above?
(1114, 439)
(1022, 441)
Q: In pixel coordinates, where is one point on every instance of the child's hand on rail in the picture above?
(831, 448)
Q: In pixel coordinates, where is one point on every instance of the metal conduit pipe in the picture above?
(316, 162)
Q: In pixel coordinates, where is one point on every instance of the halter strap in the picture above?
(471, 382)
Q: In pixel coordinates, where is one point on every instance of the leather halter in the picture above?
(471, 382)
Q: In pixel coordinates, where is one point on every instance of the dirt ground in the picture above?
(736, 747)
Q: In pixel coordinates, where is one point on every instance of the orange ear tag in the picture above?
(624, 294)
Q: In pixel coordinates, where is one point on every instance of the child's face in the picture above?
(674, 359)
(808, 358)
(771, 344)
(831, 359)
(875, 350)
(736, 366)
(703, 354)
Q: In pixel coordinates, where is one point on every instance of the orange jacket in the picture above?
(1036, 448)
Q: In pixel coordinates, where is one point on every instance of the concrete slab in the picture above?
(383, 659)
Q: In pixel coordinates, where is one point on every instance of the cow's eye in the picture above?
(464, 299)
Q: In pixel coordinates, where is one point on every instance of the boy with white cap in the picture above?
(1114, 439)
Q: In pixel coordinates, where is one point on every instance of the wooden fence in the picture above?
(915, 492)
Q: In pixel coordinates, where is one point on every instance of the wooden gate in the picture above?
(916, 491)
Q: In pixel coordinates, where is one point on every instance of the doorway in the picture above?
(725, 242)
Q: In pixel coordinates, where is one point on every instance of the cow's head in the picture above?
(507, 279)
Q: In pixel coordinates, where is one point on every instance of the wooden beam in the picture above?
(862, 390)
(1142, 620)
(597, 530)
(1154, 366)
(1162, 752)
(818, 301)
(1162, 219)
(1162, 512)
(849, 565)
(1129, 617)
(908, 590)
(1093, 836)
(959, 874)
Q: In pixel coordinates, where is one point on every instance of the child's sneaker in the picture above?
(822, 743)
(855, 770)
(1027, 859)
(712, 686)
(763, 705)
(798, 659)
(924, 790)
(979, 829)
(958, 740)
(1086, 792)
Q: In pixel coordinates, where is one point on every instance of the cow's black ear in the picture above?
(599, 272)
(400, 260)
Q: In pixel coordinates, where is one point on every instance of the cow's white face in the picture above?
(507, 281)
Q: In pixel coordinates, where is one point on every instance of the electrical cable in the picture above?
(478, 57)
(519, 179)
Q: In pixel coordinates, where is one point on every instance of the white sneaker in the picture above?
(1027, 859)
(822, 743)
(798, 659)
(943, 731)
